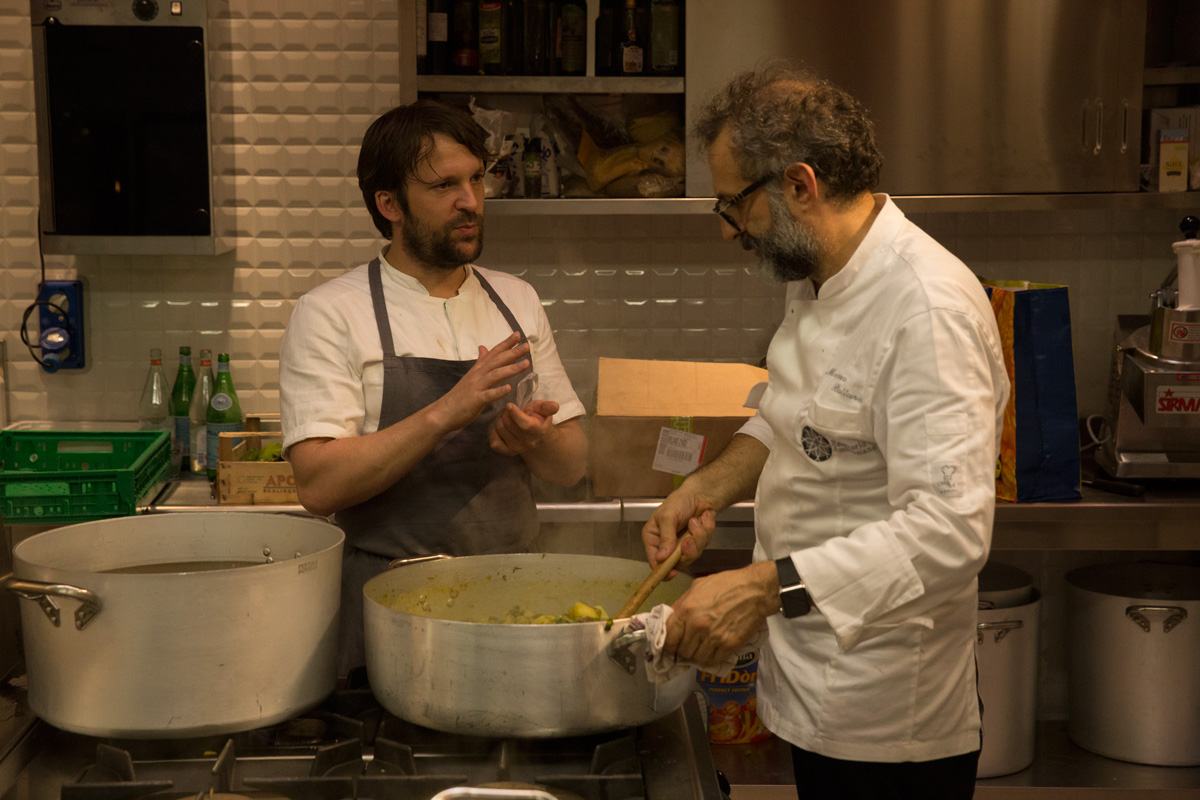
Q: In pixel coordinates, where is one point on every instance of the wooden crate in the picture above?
(251, 483)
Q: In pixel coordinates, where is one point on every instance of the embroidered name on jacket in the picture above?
(840, 388)
(820, 448)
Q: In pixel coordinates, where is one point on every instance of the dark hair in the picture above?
(397, 142)
(778, 114)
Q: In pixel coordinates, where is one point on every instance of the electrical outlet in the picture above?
(61, 325)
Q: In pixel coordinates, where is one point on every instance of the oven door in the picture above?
(123, 130)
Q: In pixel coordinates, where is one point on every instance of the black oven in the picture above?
(124, 135)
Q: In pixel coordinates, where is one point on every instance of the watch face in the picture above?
(794, 600)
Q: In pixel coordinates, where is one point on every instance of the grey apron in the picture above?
(461, 499)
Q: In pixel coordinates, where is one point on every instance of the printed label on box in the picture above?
(679, 452)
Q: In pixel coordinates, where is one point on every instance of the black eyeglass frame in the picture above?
(719, 208)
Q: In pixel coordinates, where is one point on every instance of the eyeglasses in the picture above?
(723, 206)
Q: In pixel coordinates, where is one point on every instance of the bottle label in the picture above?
(573, 32)
(631, 59)
(181, 451)
(199, 447)
(221, 402)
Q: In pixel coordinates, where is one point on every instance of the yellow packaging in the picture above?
(733, 703)
(1173, 160)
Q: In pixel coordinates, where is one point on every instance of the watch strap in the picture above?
(793, 594)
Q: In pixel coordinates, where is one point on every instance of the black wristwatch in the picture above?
(793, 594)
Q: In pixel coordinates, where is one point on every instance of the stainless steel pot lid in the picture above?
(1004, 586)
(1140, 581)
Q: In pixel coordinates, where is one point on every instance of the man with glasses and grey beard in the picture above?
(870, 461)
(418, 392)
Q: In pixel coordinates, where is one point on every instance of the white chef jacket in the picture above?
(331, 359)
(883, 418)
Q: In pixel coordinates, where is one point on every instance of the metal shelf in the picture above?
(1170, 76)
(600, 205)
(910, 204)
(547, 84)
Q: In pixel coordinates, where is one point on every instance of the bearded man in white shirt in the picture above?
(418, 392)
(870, 461)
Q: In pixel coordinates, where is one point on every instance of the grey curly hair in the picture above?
(778, 114)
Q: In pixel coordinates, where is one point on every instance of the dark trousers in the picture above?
(821, 778)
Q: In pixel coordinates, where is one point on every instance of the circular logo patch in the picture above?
(221, 402)
(816, 446)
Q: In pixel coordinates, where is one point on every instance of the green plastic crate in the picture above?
(62, 477)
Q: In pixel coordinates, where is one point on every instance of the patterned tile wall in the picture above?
(302, 86)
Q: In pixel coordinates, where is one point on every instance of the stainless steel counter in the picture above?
(193, 493)
(1162, 519)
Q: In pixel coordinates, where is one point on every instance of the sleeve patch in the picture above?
(948, 479)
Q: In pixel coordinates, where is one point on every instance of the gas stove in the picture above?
(350, 748)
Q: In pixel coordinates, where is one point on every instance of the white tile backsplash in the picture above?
(302, 85)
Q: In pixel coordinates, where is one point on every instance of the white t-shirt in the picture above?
(331, 359)
(883, 419)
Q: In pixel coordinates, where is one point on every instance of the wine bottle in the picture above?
(492, 40)
(224, 414)
(629, 53)
(603, 46)
(664, 37)
(465, 37)
(181, 401)
(437, 37)
(572, 38)
(537, 37)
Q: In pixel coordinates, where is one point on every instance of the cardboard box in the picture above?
(252, 483)
(636, 399)
(1172, 119)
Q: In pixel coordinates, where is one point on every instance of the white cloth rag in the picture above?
(662, 668)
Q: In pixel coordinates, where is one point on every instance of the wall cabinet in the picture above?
(990, 106)
(996, 96)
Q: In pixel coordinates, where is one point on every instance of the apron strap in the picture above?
(380, 306)
(508, 315)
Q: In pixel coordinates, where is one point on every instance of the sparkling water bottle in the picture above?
(224, 414)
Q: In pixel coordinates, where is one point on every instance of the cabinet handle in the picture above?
(1083, 121)
(1099, 127)
(1124, 125)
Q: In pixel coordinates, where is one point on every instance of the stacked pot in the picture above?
(1006, 653)
(1133, 650)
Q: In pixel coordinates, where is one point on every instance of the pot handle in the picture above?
(1001, 629)
(1175, 615)
(463, 792)
(619, 648)
(404, 562)
(89, 603)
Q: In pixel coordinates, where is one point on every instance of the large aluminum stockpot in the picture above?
(446, 669)
(177, 625)
(1006, 656)
(1134, 645)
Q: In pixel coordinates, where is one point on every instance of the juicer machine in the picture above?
(1153, 411)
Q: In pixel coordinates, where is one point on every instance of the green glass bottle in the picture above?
(181, 401)
(224, 413)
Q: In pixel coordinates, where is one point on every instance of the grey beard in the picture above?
(437, 250)
(788, 251)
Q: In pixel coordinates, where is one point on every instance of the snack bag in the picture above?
(732, 700)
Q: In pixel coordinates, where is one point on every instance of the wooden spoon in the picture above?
(652, 580)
